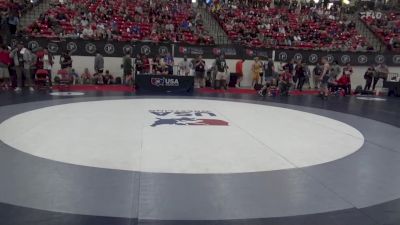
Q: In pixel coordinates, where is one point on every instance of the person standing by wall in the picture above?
(269, 71)
(300, 74)
(184, 67)
(316, 74)
(65, 61)
(256, 69)
(222, 69)
(324, 78)
(200, 68)
(127, 69)
(369, 76)
(19, 54)
(48, 60)
(30, 65)
(239, 72)
(335, 70)
(333, 75)
(138, 64)
(169, 61)
(145, 64)
(307, 74)
(381, 73)
(98, 63)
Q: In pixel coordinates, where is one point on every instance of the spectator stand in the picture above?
(288, 26)
(172, 21)
(385, 25)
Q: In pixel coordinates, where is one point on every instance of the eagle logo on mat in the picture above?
(186, 118)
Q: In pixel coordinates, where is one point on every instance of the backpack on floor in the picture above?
(118, 80)
(257, 87)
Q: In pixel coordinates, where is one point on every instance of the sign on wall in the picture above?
(118, 49)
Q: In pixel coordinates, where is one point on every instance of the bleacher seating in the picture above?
(15, 7)
(156, 21)
(289, 26)
(386, 25)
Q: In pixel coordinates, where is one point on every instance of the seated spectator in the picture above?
(87, 33)
(98, 78)
(108, 78)
(270, 88)
(128, 21)
(35, 28)
(86, 77)
(64, 77)
(163, 68)
(344, 83)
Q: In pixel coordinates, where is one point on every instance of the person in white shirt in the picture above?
(48, 63)
(184, 67)
(87, 32)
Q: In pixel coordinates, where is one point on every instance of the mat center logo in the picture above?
(186, 118)
(165, 82)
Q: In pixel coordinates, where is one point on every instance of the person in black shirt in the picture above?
(222, 68)
(65, 60)
(317, 71)
(138, 64)
(369, 76)
(301, 76)
(199, 68)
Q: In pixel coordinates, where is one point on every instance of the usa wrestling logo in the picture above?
(186, 118)
(165, 82)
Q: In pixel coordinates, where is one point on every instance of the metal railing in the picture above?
(366, 31)
(214, 27)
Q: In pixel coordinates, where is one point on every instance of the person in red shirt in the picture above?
(239, 72)
(5, 62)
(146, 65)
(344, 83)
(39, 61)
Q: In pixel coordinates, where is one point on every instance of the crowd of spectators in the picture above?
(329, 78)
(145, 20)
(288, 25)
(10, 14)
(386, 25)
